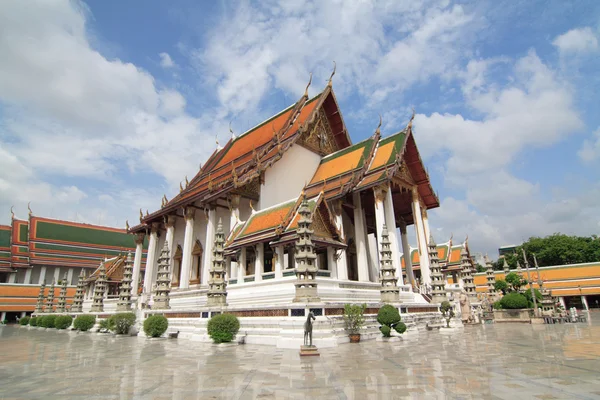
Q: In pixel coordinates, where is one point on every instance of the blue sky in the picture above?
(106, 105)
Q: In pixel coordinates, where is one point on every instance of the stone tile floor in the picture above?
(483, 362)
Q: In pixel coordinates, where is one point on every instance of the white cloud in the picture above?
(579, 40)
(166, 61)
(590, 150)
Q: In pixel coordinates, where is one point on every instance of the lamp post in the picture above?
(530, 285)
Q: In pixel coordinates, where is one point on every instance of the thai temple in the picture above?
(287, 218)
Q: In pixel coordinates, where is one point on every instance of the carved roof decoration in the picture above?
(114, 269)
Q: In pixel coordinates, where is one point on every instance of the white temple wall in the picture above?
(200, 223)
(179, 233)
(245, 210)
(224, 215)
(287, 177)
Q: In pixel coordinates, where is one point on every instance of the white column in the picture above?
(585, 303)
(426, 224)
(28, 276)
(390, 221)
(137, 263)
(360, 236)
(170, 224)
(279, 262)
(234, 208)
(3, 316)
(42, 275)
(410, 276)
(561, 299)
(241, 266)
(188, 246)
(151, 259)
(56, 274)
(70, 276)
(23, 313)
(421, 239)
(12, 277)
(379, 194)
(210, 238)
(259, 264)
(342, 261)
(331, 262)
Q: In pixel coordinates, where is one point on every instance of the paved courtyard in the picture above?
(492, 361)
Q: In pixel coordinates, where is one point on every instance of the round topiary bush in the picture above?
(47, 321)
(223, 327)
(385, 330)
(84, 322)
(400, 327)
(388, 316)
(63, 321)
(155, 325)
(513, 301)
(33, 321)
(497, 305)
(24, 321)
(121, 323)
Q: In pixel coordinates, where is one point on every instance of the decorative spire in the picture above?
(39, 306)
(99, 290)
(467, 272)
(180, 187)
(377, 130)
(330, 83)
(252, 207)
(505, 266)
(62, 297)
(141, 215)
(217, 284)
(307, 86)
(306, 268)
(12, 213)
(79, 293)
(124, 303)
(438, 284)
(187, 183)
(163, 280)
(29, 208)
(231, 131)
(491, 277)
(389, 291)
(127, 224)
(50, 299)
(409, 126)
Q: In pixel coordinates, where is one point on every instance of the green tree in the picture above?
(480, 268)
(515, 281)
(501, 285)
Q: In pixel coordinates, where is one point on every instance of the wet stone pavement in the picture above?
(509, 361)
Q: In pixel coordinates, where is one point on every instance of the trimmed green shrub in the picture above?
(24, 321)
(538, 297)
(223, 327)
(84, 322)
(513, 301)
(47, 321)
(105, 325)
(497, 305)
(33, 321)
(354, 317)
(447, 312)
(388, 316)
(63, 321)
(155, 325)
(121, 323)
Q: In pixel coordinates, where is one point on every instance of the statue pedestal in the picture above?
(309, 351)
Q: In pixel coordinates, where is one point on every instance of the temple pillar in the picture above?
(342, 260)
(42, 275)
(241, 266)
(379, 194)
(56, 274)
(210, 238)
(360, 236)
(425, 223)
(331, 262)
(137, 263)
(410, 276)
(170, 224)
(584, 303)
(390, 222)
(151, 259)
(279, 259)
(69, 276)
(421, 239)
(188, 245)
(3, 316)
(27, 280)
(234, 208)
(259, 263)
(12, 277)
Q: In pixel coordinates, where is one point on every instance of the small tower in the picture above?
(39, 306)
(163, 281)
(519, 269)
(438, 284)
(389, 282)
(99, 290)
(217, 291)
(79, 293)
(467, 273)
(505, 267)
(306, 268)
(50, 299)
(62, 297)
(491, 277)
(124, 303)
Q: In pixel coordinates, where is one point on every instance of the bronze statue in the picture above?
(308, 329)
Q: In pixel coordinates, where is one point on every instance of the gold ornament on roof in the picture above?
(231, 131)
(186, 182)
(147, 213)
(409, 126)
(12, 214)
(210, 182)
(180, 187)
(29, 208)
(127, 224)
(330, 83)
(141, 215)
(307, 86)
(378, 131)
(251, 206)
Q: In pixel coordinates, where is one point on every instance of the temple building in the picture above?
(40, 250)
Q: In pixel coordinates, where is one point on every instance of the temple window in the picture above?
(177, 266)
(196, 272)
(250, 260)
(268, 259)
(322, 259)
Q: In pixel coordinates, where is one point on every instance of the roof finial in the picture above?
(409, 126)
(186, 182)
(309, 82)
(147, 213)
(12, 213)
(378, 131)
(180, 187)
(217, 142)
(29, 208)
(141, 215)
(127, 224)
(231, 131)
(251, 207)
(329, 83)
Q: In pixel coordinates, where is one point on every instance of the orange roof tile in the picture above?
(338, 165)
(382, 155)
(267, 219)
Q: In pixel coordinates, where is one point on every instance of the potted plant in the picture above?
(447, 312)
(354, 320)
